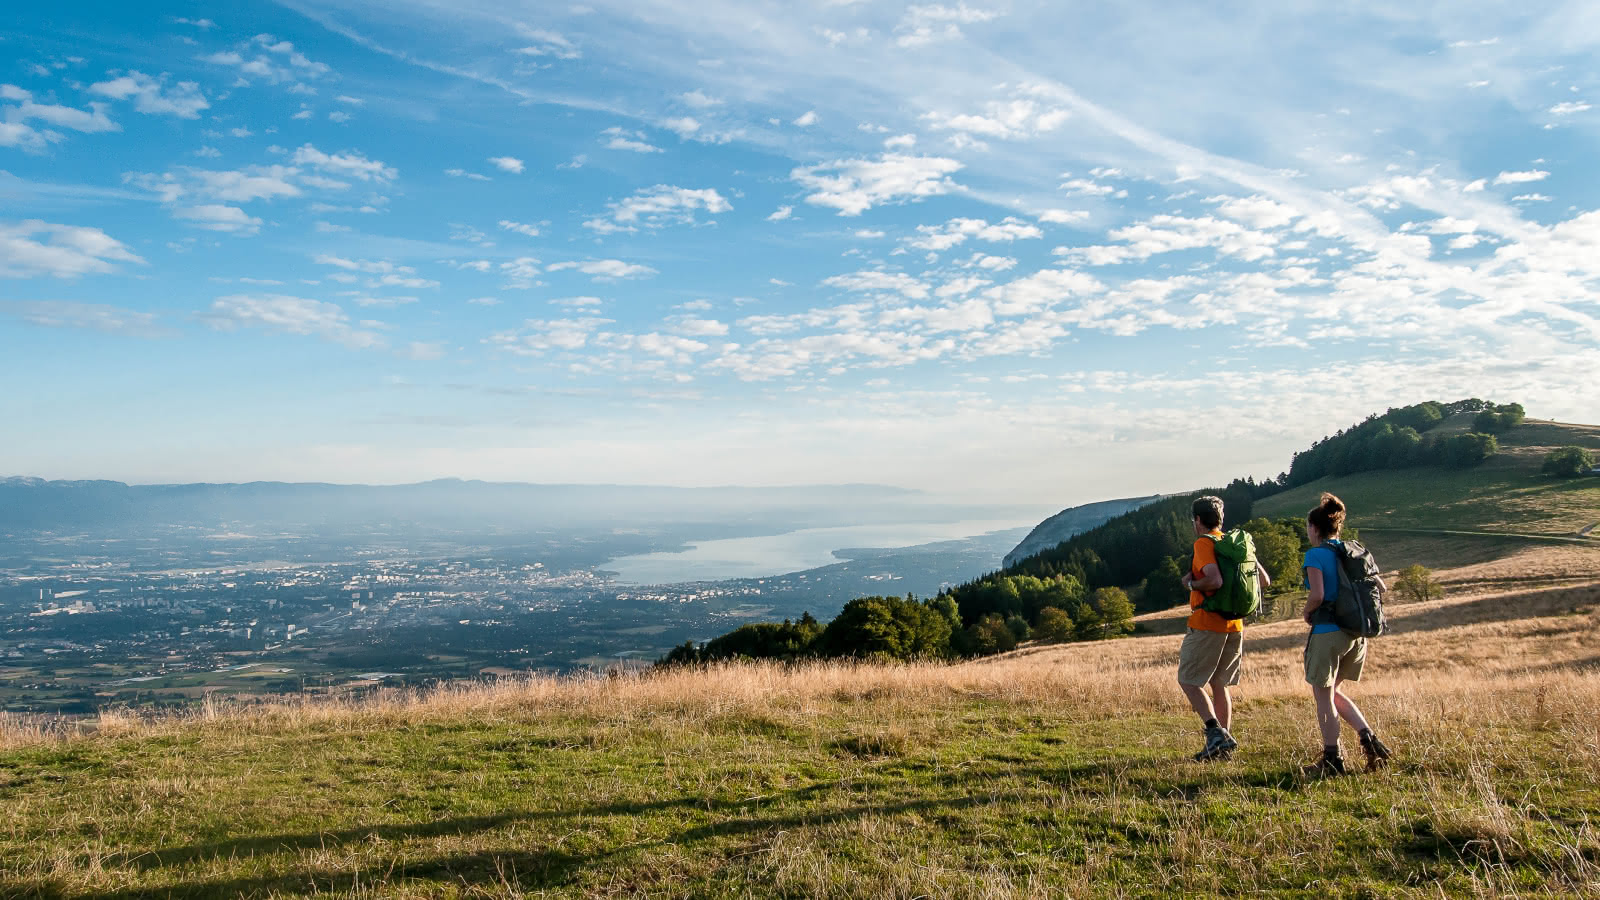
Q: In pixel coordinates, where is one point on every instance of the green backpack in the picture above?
(1240, 594)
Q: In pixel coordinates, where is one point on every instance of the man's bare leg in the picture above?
(1222, 703)
(1200, 702)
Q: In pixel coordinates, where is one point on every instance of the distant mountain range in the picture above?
(1071, 522)
(34, 504)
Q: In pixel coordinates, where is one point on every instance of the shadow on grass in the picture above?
(522, 870)
(553, 866)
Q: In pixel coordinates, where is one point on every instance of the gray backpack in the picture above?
(1358, 608)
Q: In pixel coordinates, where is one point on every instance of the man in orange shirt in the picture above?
(1214, 646)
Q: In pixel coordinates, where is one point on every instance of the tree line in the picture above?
(1400, 439)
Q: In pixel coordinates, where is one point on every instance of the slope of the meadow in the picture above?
(1506, 494)
(1052, 771)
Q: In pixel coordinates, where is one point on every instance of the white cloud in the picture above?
(288, 315)
(541, 336)
(956, 231)
(15, 132)
(781, 213)
(484, 301)
(520, 228)
(365, 300)
(1257, 212)
(854, 186)
(699, 100)
(523, 271)
(807, 119)
(605, 269)
(234, 186)
(1166, 234)
(507, 164)
(353, 101)
(152, 97)
(348, 164)
(1086, 187)
(631, 141)
(202, 24)
(879, 281)
(672, 347)
(683, 126)
(548, 43)
(86, 316)
(1570, 107)
(1063, 216)
(33, 247)
(423, 351)
(220, 217)
(265, 57)
(1041, 290)
(694, 327)
(659, 206)
(463, 173)
(1003, 119)
(921, 25)
(992, 263)
(1521, 177)
(387, 273)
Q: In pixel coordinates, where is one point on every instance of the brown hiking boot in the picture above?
(1377, 754)
(1325, 767)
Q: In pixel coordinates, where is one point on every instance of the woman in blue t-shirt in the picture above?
(1333, 657)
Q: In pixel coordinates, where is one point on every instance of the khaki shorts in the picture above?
(1209, 656)
(1334, 656)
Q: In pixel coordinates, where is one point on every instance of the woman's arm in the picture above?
(1313, 592)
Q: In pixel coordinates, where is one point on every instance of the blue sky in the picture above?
(1034, 252)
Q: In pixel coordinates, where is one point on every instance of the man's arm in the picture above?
(1313, 592)
(1210, 579)
(1262, 578)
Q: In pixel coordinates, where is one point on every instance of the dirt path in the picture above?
(1579, 538)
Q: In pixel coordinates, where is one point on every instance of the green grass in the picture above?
(1506, 494)
(960, 798)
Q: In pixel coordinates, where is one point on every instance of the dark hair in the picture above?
(1208, 510)
(1328, 517)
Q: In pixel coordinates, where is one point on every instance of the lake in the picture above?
(796, 551)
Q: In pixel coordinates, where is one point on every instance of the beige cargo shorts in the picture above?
(1334, 656)
(1208, 656)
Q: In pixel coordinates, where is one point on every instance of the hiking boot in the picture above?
(1219, 745)
(1377, 753)
(1325, 767)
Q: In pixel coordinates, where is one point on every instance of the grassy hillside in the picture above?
(1505, 494)
(1052, 771)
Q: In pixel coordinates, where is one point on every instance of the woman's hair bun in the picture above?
(1328, 517)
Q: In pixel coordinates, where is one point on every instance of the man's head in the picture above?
(1207, 514)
